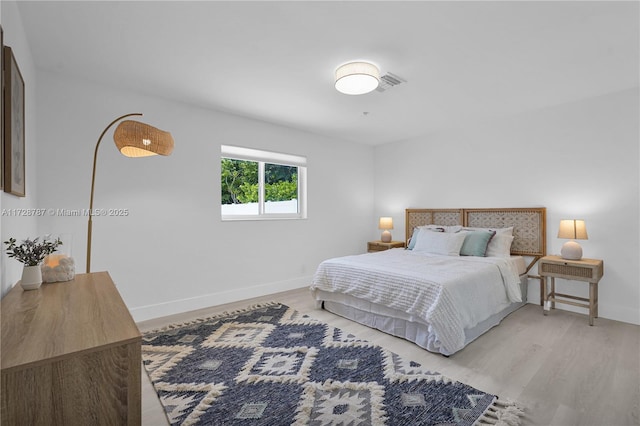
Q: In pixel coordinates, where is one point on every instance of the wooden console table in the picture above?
(70, 355)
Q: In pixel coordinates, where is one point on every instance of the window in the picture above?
(259, 184)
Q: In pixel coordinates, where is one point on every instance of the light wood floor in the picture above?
(562, 370)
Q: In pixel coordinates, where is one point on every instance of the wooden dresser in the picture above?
(70, 355)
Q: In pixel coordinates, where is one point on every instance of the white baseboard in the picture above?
(143, 313)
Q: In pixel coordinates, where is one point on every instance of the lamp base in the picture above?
(571, 250)
(386, 237)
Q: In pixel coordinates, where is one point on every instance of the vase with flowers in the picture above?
(31, 253)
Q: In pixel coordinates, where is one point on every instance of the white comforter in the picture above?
(447, 293)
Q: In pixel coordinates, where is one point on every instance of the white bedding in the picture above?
(447, 293)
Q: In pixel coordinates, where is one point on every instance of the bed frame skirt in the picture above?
(400, 324)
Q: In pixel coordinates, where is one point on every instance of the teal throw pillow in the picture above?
(476, 242)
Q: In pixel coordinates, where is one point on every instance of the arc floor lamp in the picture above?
(133, 139)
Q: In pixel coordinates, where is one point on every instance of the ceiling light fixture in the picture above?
(357, 78)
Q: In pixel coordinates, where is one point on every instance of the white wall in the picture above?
(578, 160)
(173, 253)
(19, 227)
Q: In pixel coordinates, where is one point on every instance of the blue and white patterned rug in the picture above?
(270, 365)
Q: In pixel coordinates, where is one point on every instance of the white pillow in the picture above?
(500, 246)
(444, 243)
(508, 231)
(442, 228)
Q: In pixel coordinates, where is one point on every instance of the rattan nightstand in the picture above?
(373, 246)
(589, 270)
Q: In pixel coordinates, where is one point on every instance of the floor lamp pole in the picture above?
(93, 182)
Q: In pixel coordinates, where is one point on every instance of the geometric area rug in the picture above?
(270, 365)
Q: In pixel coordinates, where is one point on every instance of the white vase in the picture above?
(31, 278)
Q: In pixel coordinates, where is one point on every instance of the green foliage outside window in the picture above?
(239, 182)
(234, 174)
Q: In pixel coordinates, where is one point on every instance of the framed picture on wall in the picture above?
(1, 108)
(14, 149)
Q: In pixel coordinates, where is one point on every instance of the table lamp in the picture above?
(573, 229)
(385, 223)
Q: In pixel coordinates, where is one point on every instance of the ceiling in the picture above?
(274, 61)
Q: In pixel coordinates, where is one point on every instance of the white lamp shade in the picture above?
(573, 229)
(385, 223)
(357, 78)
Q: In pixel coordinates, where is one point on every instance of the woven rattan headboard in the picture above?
(529, 225)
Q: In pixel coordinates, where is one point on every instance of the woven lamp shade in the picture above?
(135, 139)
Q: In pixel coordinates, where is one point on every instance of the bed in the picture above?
(429, 294)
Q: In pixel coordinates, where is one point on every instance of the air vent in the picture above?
(388, 81)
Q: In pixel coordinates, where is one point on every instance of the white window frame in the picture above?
(263, 157)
